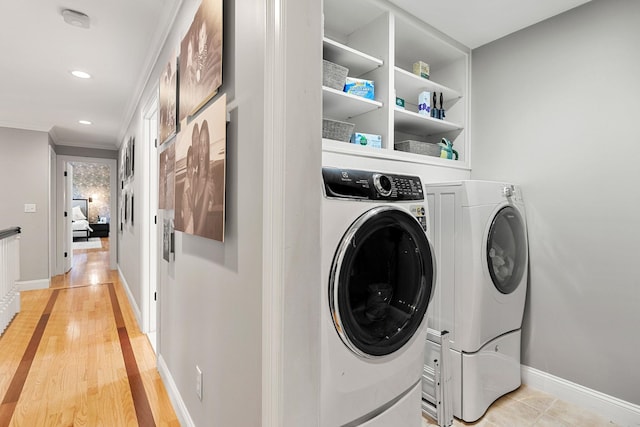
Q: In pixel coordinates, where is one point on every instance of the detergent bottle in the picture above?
(446, 150)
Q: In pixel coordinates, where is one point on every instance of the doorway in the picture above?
(91, 217)
(99, 199)
(150, 218)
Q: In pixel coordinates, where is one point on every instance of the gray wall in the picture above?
(24, 174)
(130, 237)
(555, 109)
(210, 294)
(66, 150)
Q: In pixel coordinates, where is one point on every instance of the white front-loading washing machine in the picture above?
(378, 276)
(480, 235)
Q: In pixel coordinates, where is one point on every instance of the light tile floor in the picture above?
(529, 407)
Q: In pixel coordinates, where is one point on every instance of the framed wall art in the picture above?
(200, 61)
(200, 173)
(126, 207)
(167, 94)
(127, 159)
(166, 178)
(132, 154)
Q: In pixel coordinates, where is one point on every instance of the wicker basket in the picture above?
(339, 131)
(333, 75)
(418, 147)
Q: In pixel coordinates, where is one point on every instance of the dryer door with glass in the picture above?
(381, 281)
(507, 250)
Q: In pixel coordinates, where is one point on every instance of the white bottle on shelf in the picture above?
(424, 103)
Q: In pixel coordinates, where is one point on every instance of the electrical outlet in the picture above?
(198, 382)
(29, 207)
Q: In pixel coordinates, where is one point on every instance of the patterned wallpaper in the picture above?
(92, 180)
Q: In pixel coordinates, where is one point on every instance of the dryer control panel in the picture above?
(366, 185)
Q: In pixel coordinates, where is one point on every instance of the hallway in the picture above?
(74, 355)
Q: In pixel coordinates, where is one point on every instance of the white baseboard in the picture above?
(30, 285)
(174, 395)
(624, 414)
(132, 300)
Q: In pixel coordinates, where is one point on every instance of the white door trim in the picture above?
(113, 232)
(148, 251)
(53, 212)
(273, 216)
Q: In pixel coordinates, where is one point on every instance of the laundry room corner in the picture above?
(537, 122)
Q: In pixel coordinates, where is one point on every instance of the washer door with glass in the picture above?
(507, 250)
(381, 281)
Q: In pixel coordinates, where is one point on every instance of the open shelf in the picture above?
(333, 146)
(408, 86)
(340, 105)
(357, 62)
(418, 124)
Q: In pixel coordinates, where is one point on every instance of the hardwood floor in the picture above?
(74, 355)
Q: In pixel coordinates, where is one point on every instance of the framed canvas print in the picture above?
(132, 153)
(167, 94)
(121, 216)
(127, 159)
(200, 173)
(166, 178)
(200, 73)
(123, 163)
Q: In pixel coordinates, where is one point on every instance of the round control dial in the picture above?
(382, 183)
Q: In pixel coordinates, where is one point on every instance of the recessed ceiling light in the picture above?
(81, 74)
(84, 122)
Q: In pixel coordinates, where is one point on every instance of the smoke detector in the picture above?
(75, 18)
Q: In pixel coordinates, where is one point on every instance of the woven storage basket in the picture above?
(418, 147)
(340, 131)
(333, 75)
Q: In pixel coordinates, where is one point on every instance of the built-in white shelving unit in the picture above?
(378, 41)
(357, 62)
(340, 105)
(408, 84)
(417, 124)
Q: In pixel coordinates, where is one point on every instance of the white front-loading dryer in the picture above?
(480, 235)
(378, 275)
(493, 266)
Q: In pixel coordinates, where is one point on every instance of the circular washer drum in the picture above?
(381, 281)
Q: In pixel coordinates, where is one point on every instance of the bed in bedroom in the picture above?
(79, 219)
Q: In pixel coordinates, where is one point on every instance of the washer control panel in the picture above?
(367, 185)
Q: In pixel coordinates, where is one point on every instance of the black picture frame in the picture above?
(126, 206)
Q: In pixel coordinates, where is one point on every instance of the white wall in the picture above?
(24, 178)
(297, 102)
(61, 155)
(555, 109)
(53, 212)
(67, 150)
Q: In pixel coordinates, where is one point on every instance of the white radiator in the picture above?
(9, 275)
